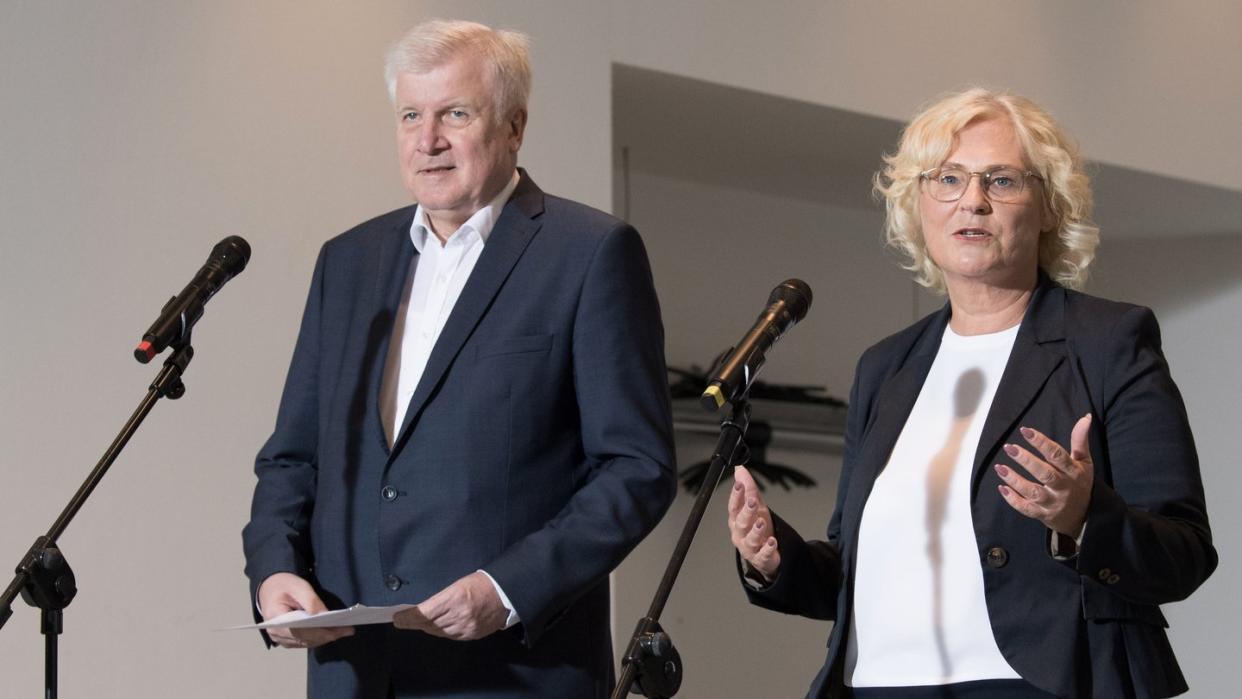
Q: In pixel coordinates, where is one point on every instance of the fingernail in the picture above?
(1004, 490)
(751, 503)
(737, 487)
(759, 524)
(772, 541)
(1002, 470)
(1027, 432)
(1011, 450)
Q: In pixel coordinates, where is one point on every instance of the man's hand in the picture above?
(285, 592)
(750, 526)
(1062, 492)
(468, 609)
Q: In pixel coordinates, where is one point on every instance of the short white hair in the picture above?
(433, 43)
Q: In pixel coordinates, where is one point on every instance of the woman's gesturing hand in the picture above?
(1062, 488)
(750, 526)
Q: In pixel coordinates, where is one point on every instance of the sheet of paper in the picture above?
(356, 615)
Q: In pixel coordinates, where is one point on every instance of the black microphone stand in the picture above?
(44, 577)
(650, 660)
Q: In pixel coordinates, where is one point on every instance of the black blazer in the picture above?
(1088, 627)
(537, 446)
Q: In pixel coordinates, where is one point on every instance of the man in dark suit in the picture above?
(476, 416)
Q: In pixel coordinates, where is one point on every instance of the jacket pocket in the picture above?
(514, 345)
(1099, 604)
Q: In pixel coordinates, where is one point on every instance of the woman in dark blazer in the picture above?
(1020, 489)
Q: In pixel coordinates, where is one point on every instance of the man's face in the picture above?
(456, 152)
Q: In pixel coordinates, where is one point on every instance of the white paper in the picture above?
(356, 615)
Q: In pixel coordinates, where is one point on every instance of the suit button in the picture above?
(389, 493)
(392, 582)
(1103, 574)
(997, 557)
(1112, 579)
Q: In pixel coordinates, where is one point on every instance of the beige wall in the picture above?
(134, 135)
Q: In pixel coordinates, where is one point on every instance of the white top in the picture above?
(920, 617)
(435, 280)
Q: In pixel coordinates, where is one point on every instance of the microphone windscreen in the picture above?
(797, 297)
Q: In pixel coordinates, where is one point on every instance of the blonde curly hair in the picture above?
(1065, 251)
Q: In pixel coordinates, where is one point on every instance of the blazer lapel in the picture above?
(508, 240)
(891, 407)
(1037, 352)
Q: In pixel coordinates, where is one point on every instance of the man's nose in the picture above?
(431, 138)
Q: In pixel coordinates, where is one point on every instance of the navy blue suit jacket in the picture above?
(1088, 627)
(537, 446)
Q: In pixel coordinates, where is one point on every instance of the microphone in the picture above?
(731, 378)
(228, 258)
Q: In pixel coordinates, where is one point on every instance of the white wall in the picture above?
(135, 134)
(1147, 84)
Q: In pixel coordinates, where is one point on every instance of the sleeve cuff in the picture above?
(513, 617)
(1064, 548)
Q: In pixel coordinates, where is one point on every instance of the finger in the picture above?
(767, 559)
(756, 537)
(412, 618)
(768, 556)
(313, 638)
(749, 486)
(1080, 450)
(736, 497)
(1052, 452)
(308, 600)
(745, 519)
(1031, 492)
(1019, 503)
(1038, 468)
(283, 638)
(436, 623)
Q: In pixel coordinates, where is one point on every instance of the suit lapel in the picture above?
(396, 252)
(510, 236)
(1036, 354)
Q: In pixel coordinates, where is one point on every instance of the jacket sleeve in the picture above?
(621, 389)
(277, 538)
(1147, 538)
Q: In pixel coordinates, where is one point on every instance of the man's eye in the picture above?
(457, 115)
(409, 116)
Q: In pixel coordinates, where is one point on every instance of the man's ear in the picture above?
(517, 128)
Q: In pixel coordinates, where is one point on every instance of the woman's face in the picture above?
(975, 240)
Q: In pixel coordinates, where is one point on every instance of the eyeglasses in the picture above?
(949, 183)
